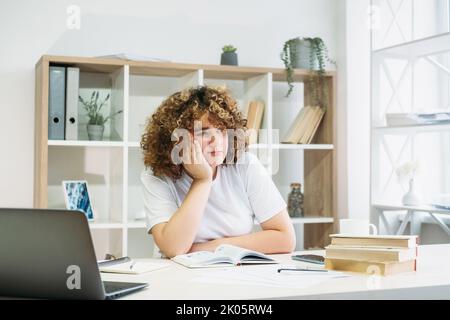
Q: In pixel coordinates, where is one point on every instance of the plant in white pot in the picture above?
(310, 54)
(406, 174)
(96, 124)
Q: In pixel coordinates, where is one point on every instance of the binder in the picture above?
(56, 103)
(73, 79)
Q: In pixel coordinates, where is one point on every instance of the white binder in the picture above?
(73, 79)
(56, 102)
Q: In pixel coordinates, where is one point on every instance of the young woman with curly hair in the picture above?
(213, 194)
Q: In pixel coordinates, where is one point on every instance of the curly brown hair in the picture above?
(180, 110)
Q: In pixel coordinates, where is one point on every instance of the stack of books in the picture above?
(304, 126)
(381, 255)
(255, 112)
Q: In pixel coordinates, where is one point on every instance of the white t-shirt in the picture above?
(239, 194)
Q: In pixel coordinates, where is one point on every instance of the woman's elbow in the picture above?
(169, 246)
(172, 250)
(170, 253)
(289, 241)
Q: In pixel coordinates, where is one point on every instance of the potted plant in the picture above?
(308, 53)
(96, 124)
(406, 174)
(229, 56)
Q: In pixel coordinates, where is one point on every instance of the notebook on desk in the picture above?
(135, 267)
(224, 255)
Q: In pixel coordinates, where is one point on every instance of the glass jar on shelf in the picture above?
(295, 201)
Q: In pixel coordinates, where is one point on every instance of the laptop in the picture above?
(46, 253)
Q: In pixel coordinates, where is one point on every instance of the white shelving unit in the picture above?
(411, 76)
(112, 167)
(417, 48)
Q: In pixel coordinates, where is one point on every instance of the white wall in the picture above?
(341, 139)
(357, 115)
(183, 31)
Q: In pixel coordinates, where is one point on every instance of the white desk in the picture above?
(431, 281)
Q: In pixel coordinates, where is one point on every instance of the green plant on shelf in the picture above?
(93, 109)
(229, 48)
(318, 56)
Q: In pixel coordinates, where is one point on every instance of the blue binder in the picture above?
(56, 103)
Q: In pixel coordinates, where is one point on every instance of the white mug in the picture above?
(357, 227)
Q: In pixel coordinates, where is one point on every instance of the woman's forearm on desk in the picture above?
(177, 235)
(267, 241)
(278, 236)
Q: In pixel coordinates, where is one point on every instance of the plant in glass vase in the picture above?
(96, 124)
(406, 174)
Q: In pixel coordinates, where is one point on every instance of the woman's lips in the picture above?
(216, 153)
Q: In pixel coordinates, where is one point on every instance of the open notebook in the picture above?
(224, 255)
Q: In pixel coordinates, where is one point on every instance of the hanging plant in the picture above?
(312, 54)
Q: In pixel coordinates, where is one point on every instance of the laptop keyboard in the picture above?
(112, 287)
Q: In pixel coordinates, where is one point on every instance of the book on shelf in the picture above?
(371, 267)
(305, 125)
(224, 255)
(255, 112)
(389, 241)
(294, 129)
(132, 57)
(409, 119)
(372, 254)
(313, 125)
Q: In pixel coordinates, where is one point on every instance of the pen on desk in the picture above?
(301, 269)
(108, 263)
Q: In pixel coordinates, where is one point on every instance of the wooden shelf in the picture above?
(81, 143)
(172, 69)
(118, 171)
(293, 146)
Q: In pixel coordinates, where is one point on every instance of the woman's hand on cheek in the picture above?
(195, 163)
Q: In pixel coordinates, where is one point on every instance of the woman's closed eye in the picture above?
(209, 133)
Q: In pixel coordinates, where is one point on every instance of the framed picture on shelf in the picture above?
(76, 197)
